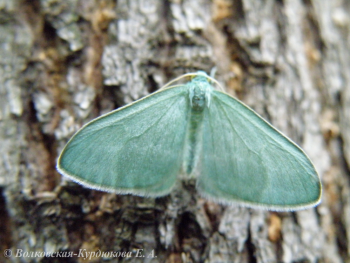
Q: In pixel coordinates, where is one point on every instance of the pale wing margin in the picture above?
(137, 149)
(246, 161)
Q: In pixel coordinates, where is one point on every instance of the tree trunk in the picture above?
(66, 62)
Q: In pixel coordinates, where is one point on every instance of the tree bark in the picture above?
(65, 62)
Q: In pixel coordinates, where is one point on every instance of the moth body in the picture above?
(199, 97)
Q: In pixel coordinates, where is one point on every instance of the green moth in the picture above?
(192, 130)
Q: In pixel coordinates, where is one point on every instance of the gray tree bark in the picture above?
(65, 62)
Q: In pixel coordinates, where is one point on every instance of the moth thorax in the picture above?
(198, 98)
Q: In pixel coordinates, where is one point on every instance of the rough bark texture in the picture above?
(65, 62)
